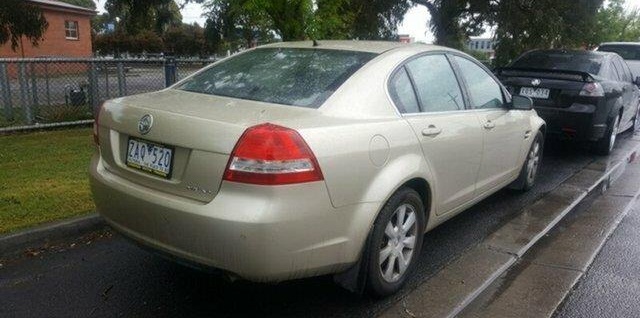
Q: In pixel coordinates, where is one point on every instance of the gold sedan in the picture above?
(299, 159)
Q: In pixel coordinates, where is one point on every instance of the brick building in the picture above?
(68, 35)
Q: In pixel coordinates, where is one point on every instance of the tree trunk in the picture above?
(444, 22)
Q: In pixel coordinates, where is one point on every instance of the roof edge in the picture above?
(62, 6)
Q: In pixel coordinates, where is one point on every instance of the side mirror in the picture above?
(521, 102)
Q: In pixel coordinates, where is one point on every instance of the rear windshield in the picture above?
(566, 61)
(628, 52)
(289, 76)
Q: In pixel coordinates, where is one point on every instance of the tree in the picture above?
(185, 40)
(145, 41)
(135, 16)
(289, 18)
(230, 20)
(99, 23)
(358, 19)
(453, 21)
(523, 25)
(112, 43)
(20, 19)
(614, 23)
(232, 25)
(333, 19)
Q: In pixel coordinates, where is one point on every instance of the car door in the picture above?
(504, 130)
(450, 135)
(629, 92)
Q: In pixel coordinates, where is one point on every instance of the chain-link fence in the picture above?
(54, 92)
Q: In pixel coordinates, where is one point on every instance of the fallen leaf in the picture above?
(106, 291)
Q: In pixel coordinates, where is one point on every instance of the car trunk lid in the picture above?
(202, 131)
(564, 86)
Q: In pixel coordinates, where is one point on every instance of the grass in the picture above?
(48, 114)
(44, 177)
(16, 121)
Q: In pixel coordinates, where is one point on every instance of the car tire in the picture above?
(636, 121)
(529, 172)
(393, 251)
(605, 145)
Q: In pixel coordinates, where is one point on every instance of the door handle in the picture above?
(431, 131)
(489, 125)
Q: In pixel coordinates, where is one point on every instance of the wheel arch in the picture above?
(353, 279)
(423, 188)
(621, 111)
(410, 171)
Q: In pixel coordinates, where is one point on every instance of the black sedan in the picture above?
(582, 95)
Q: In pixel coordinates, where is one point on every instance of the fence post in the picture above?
(105, 70)
(94, 97)
(5, 85)
(169, 71)
(47, 84)
(34, 88)
(24, 93)
(122, 84)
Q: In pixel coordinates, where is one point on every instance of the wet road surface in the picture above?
(104, 275)
(611, 286)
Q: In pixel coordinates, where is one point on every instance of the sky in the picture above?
(414, 23)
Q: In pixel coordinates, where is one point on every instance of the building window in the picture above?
(71, 30)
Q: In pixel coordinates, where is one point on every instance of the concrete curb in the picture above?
(461, 274)
(55, 231)
(565, 256)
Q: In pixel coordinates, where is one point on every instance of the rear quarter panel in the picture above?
(365, 149)
(365, 162)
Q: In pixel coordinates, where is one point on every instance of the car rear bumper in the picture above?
(259, 233)
(575, 122)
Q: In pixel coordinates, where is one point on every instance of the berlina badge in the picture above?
(535, 82)
(145, 124)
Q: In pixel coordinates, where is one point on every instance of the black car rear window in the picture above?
(628, 52)
(289, 76)
(567, 61)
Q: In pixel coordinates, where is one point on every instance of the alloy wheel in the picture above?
(533, 162)
(614, 133)
(398, 243)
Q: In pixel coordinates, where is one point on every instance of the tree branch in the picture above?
(430, 5)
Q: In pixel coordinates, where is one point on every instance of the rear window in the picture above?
(289, 76)
(567, 61)
(628, 52)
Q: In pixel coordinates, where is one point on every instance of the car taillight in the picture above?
(269, 154)
(96, 126)
(592, 90)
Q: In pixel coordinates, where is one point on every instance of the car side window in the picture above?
(484, 91)
(435, 83)
(402, 92)
(616, 74)
(624, 70)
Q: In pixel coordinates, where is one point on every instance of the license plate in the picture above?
(150, 157)
(540, 93)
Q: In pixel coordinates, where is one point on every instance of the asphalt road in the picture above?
(103, 275)
(611, 286)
